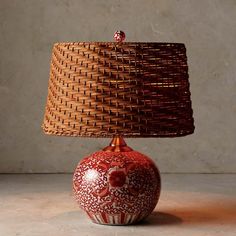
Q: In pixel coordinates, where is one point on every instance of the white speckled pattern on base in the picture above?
(190, 204)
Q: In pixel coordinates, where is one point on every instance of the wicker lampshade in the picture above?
(102, 89)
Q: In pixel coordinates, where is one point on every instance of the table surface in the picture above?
(190, 204)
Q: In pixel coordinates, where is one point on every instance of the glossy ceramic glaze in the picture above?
(117, 188)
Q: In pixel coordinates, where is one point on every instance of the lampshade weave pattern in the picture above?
(99, 89)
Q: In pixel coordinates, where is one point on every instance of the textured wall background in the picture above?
(28, 29)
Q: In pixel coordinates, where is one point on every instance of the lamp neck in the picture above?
(117, 144)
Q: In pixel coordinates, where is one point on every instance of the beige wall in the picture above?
(28, 28)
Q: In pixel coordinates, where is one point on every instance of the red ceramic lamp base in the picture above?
(117, 186)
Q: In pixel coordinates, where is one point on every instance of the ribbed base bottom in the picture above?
(118, 219)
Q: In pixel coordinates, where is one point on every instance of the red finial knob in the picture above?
(119, 36)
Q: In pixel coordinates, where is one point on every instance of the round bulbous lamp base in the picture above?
(117, 186)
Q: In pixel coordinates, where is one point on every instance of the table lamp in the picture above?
(117, 90)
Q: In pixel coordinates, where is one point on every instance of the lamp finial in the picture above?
(119, 36)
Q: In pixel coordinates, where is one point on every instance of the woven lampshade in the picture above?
(102, 89)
